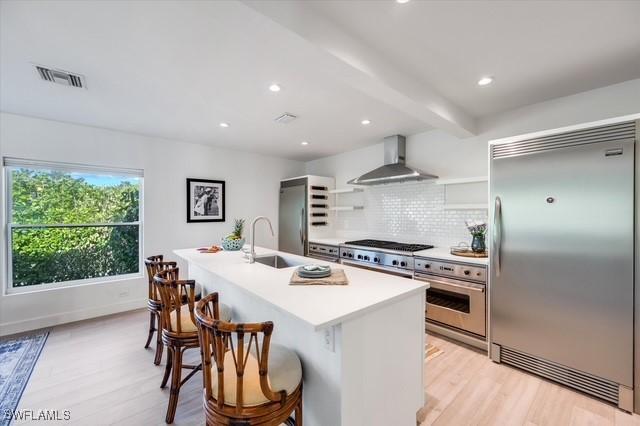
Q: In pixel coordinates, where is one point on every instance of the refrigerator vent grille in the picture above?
(612, 132)
(576, 379)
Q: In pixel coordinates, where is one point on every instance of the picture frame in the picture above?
(205, 200)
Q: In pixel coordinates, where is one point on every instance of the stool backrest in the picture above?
(173, 292)
(155, 264)
(219, 337)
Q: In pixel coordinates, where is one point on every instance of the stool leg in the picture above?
(152, 328)
(299, 413)
(167, 368)
(175, 385)
(159, 344)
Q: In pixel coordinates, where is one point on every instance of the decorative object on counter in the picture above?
(314, 271)
(337, 277)
(205, 200)
(234, 241)
(478, 230)
(463, 249)
(212, 249)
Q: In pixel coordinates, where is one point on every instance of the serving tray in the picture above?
(465, 252)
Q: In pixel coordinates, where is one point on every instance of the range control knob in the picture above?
(350, 254)
(376, 260)
(427, 266)
(366, 258)
(359, 256)
(403, 263)
(344, 253)
(394, 263)
(467, 272)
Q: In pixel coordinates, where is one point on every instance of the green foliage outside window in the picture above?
(56, 254)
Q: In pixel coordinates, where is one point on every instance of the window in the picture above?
(70, 224)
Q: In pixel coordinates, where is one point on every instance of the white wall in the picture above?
(252, 183)
(444, 155)
(438, 153)
(411, 212)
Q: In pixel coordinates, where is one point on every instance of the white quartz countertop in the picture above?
(443, 253)
(320, 306)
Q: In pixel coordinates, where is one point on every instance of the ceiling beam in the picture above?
(363, 68)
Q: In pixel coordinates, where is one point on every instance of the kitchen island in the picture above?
(362, 345)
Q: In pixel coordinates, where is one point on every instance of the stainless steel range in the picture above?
(456, 299)
(385, 256)
(456, 302)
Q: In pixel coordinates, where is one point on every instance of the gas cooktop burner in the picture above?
(389, 245)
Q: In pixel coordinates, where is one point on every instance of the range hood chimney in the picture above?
(394, 169)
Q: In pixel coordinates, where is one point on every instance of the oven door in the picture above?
(456, 303)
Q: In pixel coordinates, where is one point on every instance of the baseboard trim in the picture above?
(66, 317)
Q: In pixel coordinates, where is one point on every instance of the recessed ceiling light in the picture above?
(304, 143)
(485, 81)
(366, 122)
(274, 88)
(403, 1)
(223, 124)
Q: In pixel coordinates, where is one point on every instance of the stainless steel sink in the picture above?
(278, 262)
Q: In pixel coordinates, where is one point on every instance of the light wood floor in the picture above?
(464, 387)
(99, 370)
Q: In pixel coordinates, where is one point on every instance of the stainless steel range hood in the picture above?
(394, 169)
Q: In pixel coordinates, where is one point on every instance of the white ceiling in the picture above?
(177, 69)
(537, 50)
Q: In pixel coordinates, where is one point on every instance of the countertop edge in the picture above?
(316, 327)
(353, 315)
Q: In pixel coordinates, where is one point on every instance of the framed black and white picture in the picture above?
(205, 200)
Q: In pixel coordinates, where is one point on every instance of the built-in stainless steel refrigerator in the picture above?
(562, 258)
(292, 216)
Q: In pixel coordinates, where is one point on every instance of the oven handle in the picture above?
(442, 284)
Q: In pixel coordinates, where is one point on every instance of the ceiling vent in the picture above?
(53, 75)
(285, 118)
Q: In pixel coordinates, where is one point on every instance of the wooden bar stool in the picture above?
(251, 381)
(155, 264)
(179, 330)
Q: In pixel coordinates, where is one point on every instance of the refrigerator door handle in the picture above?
(497, 233)
(301, 226)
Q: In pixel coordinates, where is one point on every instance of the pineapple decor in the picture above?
(234, 241)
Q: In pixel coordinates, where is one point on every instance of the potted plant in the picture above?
(234, 241)
(478, 230)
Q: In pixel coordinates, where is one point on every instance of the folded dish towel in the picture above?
(337, 277)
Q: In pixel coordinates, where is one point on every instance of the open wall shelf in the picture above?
(346, 208)
(345, 190)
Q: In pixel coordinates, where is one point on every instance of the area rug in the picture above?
(431, 352)
(18, 356)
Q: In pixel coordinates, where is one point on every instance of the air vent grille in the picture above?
(601, 388)
(285, 118)
(61, 77)
(612, 132)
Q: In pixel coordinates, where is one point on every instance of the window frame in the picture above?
(10, 164)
